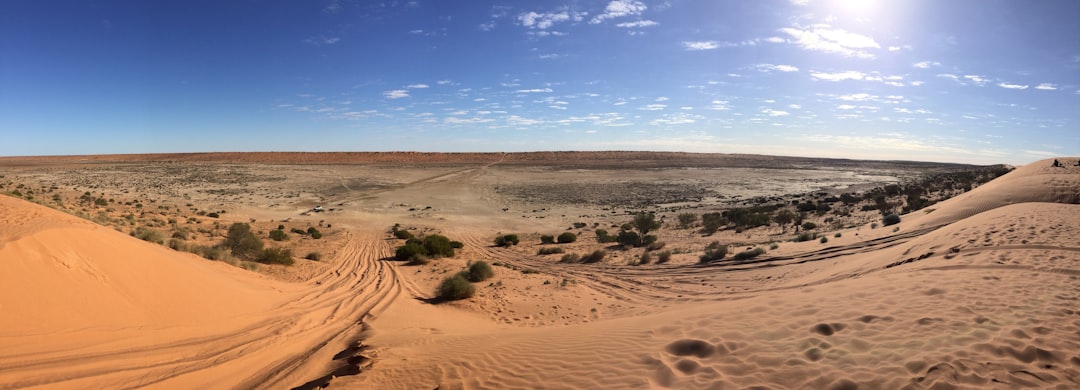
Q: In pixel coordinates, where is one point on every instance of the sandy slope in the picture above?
(980, 293)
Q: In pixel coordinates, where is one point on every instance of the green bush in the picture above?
(301, 232)
(711, 222)
(177, 245)
(550, 251)
(316, 256)
(276, 256)
(663, 257)
(507, 240)
(455, 287)
(242, 242)
(418, 259)
(211, 215)
(809, 226)
(410, 249)
(687, 219)
(180, 235)
(566, 238)
(750, 254)
(629, 238)
(804, 237)
(438, 246)
(149, 235)
(714, 251)
(891, 219)
(824, 240)
(402, 234)
(547, 239)
(594, 257)
(645, 223)
(603, 237)
(480, 271)
(278, 235)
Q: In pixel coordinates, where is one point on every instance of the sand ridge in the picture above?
(980, 292)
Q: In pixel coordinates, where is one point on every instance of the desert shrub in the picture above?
(100, 202)
(480, 271)
(250, 266)
(654, 246)
(838, 235)
(547, 239)
(629, 238)
(686, 219)
(214, 253)
(663, 257)
(180, 235)
(645, 258)
(211, 215)
(809, 226)
(301, 232)
(645, 223)
(402, 234)
(410, 249)
(149, 235)
(648, 239)
(570, 258)
(455, 287)
(579, 225)
(750, 254)
(774, 246)
(280, 227)
(714, 251)
(418, 259)
(276, 256)
(316, 256)
(314, 233)
(603, 237)
(507, 240)
(457, 244)
(278, 235)
(177, 245)
(550, 251)
(804, 237)
(242, 242)
(438, 246)
(566, 238)
(594, 257)
(824, 240)
(711, 222)
(891, 219)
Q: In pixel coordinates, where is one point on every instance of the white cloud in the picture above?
(772, 112)
(654, 107)
(663, 99)
(857, 97)
(794, 106)
(676, 119)
(1046, 87)
(1012, 86)
(333, 7)
(417, 86)
(926, 64)
(546, 20)
(848, 75)
(637, 24)
(824, 38)
(771, 67)
(396, 94)
(845, 106)
(322, 40)
(534, 90)
(720, 105)
(620, 8)
(917, 83)
(443, 82)
(775, 40)
(700, 45)
(978, 80)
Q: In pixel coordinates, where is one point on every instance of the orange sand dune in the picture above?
(980, 293)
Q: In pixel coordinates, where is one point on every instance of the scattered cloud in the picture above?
(653, 107)
(1012, 86)
(417, 86)
(848, 75)
(771, 67)
(845, 107)
(720, 105)
(534, 90)
(332, 7)
(543, 21)
(700, 45)
(618, 9)
(1046, 87)
(824, 38)
(772, 112)
(926, 64)
(637, 24)
(396, 94)
(681, 118)
(978, 80)
(443, 82)
(857, 97)
(322, 40)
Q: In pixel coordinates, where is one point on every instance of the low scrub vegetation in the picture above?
(316, 256)
(566, 238)
(275, 256)
(714, 251)
(891, 219)
(455, 287)
(480, 271)
(750, 254)
(547, 239)
(507, 240)
(550, 251)
(278, 235)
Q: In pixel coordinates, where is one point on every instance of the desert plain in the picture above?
(114, 276)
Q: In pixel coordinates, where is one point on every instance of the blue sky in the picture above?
(965, 81)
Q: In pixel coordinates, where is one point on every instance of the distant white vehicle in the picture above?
(317, 209)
